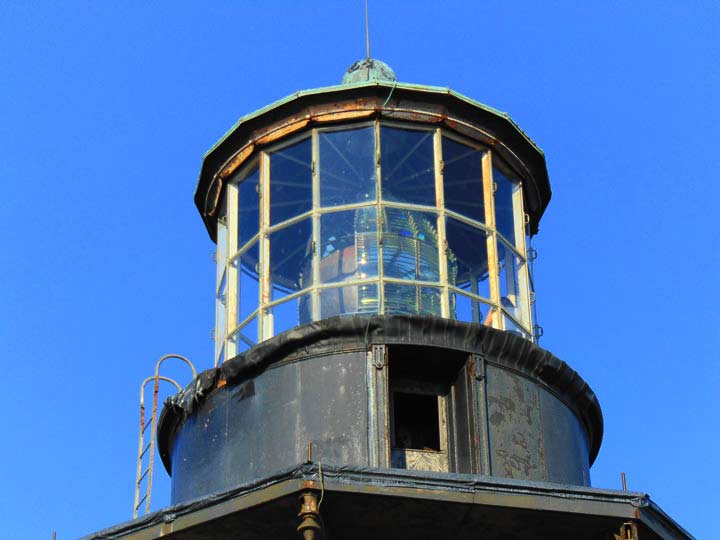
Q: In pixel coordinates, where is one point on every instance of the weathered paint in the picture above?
(500, 422)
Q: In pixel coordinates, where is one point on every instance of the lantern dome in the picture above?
(368, 69)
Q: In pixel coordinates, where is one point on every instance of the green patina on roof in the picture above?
(387, 84)
(368, 69)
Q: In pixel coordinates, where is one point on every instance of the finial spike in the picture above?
(367, 31)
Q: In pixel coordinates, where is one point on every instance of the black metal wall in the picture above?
(516, 411)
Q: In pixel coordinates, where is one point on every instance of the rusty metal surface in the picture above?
(147, 452)
(335, 397)
(564, 440)
(258, 427)
(349, 103)
(343, 343)
(358, 503)
(517, 448)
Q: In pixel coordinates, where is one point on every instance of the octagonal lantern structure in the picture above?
(372, 197)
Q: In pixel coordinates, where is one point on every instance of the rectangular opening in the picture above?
(416, 421)
(429, 424)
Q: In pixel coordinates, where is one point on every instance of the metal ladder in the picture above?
(146, 452)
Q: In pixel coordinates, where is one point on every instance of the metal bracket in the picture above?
(477, 367)
(628, 531)
(379, 357)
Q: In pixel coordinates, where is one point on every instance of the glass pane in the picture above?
(348, 245)
(291, 313)
(291, 258)
(248, 289)
(246, 337)
(467, 257)
(290, 181)
(248, 207)
(505, 215)
(513, 327)
(221, 248)
(221, 314)
(462, 179)
(512, 295)
(469, 309)
(351, 300)
(412, 299)
(347, 166)
(409, 241)
(408, 166)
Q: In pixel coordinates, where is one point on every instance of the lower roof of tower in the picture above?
(378, 98)
(362, 502)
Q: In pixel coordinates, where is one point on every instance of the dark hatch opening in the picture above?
(416, 421)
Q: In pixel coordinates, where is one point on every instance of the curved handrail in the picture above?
(150, 448)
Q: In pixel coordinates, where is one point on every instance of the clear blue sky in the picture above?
(106, 109)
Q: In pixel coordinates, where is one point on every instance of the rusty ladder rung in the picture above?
(145, 450)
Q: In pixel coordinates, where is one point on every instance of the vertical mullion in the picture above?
(489, 194)
(524, 281)
(315, 225)
(220, 335)
(265, 326)
(380, 218)
(233, 274)
(441, 239)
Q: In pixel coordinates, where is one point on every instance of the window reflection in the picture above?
(351, 300)
(246, 336)
(408, 166)
(221, 314)
(512, 297)
(348, 245)
(248, 290)
(507, 206)
(221, 250)
(469, 309)
(291, 258)
(347, 166)
(410, 249)
(412, 299)
(463, 180)
(290, 181)
(343, 253)
(467, 257)
(248, 207)
(287, 315)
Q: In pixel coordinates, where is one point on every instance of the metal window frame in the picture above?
(263, 311)
(520, 246)
(222, 275)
